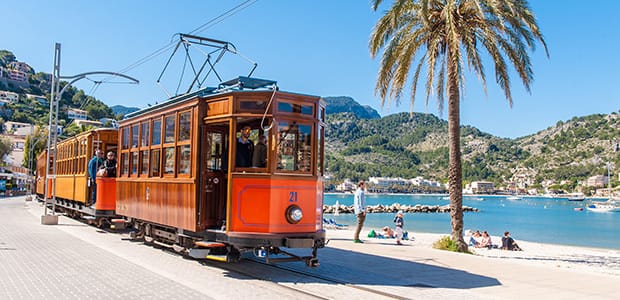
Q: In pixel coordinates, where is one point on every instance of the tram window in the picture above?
(134, 136)
(155, 160)
(185, 119)
(126, 138)
(217, 155)
(156, 140)
(295, 108)
(144, 140)
(321, 114)
(125, 163)
(257, 105)
(145, 162)
(184, 160)
(134, 163)
(169, 130)
(319, 156)
(169, 160)
(294, 147)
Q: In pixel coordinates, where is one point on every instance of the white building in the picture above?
(113, 122)
(80, 122)
(39, 98)
(18, 127)
(76, 114)
(482, 187)
(597, 181)
(346, 186)
(8, 97)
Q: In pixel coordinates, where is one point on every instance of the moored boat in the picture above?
(608, 206)
(576, 197)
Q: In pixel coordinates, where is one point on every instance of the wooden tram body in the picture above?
(73, 191)
(179, 182)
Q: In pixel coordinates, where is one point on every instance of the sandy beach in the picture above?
(577, 259)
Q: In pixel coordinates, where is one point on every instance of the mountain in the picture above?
(347, 104)
(123, 110)
(404, 145)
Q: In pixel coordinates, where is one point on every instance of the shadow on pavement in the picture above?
(348, 267)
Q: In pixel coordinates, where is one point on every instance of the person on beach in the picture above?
(509, 243)
(398, 220)
(485, 242)
(388, 232)
(475, 238)
(359, 204)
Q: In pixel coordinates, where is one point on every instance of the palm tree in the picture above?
(438, 36)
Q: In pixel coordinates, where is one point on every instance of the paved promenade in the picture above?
(75, 261)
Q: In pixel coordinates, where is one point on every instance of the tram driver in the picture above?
(245, 148)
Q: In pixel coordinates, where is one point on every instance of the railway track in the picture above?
(298, 280)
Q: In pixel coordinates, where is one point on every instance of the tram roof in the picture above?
(238, 84)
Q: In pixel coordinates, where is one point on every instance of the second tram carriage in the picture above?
(183, 181)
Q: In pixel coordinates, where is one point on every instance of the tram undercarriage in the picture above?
(219, 246)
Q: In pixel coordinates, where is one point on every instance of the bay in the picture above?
(534, 219)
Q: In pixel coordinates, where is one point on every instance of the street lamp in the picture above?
(52, 140)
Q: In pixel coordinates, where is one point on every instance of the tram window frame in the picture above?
(292, 151)
(145, 138)
(254, 136)
(144, 168)
(169, 171)
(135, 135)
(126, 134)
(169, 139)
(184, 129)
(296, 108)
(134, 163)
(249, 104)
(155, 162)
(159, 122)
(320, 148)
(125, 163)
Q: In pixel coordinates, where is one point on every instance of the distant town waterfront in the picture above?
(535, 219)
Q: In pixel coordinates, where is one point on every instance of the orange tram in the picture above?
(213, 174)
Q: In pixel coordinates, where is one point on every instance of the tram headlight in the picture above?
(294, 214)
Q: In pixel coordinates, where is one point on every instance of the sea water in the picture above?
(535, 219)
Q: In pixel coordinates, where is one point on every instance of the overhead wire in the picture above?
(200, 28)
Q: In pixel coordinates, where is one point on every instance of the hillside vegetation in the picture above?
(404, 145)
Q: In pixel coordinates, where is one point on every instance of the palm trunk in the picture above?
(454, 171)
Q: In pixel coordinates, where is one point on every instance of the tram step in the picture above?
(88, 218)
(206, 244)
(222, 258)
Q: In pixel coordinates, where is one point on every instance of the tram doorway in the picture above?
(215, 179)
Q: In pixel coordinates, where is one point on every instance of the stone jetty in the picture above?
(418, 208)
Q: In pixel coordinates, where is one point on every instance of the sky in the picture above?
(316, 47)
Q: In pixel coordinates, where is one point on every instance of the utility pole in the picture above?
(52, 140)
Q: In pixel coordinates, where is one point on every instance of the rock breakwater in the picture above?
(418, 208)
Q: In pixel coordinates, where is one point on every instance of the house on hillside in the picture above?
(8, 97)
(597, 181)
(41, 99)
(482, 187)
(88, 123)
(76, 114)
(18, 128)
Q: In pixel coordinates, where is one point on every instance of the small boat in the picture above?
(578, 209)
(576, 197)
(609, 206)
(513, 198)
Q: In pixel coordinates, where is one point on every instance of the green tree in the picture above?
(35, 143)
(6, 57)
(442, 35)
(5, 148)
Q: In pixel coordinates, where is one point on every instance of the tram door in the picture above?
(215, 179)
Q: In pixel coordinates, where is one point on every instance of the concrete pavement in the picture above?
(75, 261)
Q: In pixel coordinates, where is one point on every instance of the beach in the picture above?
(570, 258)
